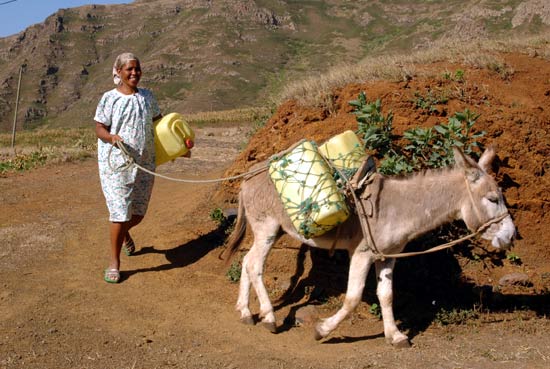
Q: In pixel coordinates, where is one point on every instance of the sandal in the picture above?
(111, 275)
(129, 247)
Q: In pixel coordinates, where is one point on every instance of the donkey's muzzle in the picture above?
(505, 234)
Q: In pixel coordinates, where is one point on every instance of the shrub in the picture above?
(433, 147)
(373, 127)
(429, 101)
(217, 216)
(430, 147)
(376, 310)
(234, 272)
(22, 162)
(455, 316)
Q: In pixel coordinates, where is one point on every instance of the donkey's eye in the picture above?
(493, 197)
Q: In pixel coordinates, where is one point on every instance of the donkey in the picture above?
(400, 209)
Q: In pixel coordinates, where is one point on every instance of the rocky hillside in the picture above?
(203, 55)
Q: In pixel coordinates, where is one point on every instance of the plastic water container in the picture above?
(308, 190)
(345, 151)
(172, 135)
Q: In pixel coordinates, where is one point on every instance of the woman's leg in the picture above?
(117, 230)
(136, 219)
(119, 233)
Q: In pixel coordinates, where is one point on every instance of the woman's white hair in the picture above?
(119, 63)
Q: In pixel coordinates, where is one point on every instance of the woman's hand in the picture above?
(113, 139)
(102, 132)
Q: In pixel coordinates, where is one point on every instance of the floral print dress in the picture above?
(127, 192)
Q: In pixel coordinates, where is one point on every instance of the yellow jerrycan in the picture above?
(173, 137)
(308, 190)
(345, 151)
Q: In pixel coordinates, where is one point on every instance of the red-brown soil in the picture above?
(174, 307)
(513, 112)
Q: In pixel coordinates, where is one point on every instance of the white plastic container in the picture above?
(173, 137)
(308, 190)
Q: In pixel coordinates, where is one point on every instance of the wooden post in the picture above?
(16, 108)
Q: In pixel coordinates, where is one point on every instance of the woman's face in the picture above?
(130, 74)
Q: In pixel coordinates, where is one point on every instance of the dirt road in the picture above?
(175, 305)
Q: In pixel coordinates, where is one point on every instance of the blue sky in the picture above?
(17, 15)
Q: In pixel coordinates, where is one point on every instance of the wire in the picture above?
(7, 2)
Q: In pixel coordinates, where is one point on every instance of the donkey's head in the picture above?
(484, 202)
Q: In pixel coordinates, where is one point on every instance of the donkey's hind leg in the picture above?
(244, 293)
(265, 234)
(359, 266)
(384, 291)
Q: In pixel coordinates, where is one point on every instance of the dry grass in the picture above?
(228, 116)
(38, 147)
(317, 90)
(45, 137)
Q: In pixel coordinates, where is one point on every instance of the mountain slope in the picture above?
(203, 55)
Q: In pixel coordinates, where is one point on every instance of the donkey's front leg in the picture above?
(384, 291)
(360, 263)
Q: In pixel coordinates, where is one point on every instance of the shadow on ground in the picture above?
(428, 289)
(185, 254)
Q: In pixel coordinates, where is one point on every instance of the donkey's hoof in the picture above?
(248, 320)
(317, 335)
(270, 326)
(401, 342)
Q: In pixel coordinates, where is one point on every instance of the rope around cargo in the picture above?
(130, 162)
(309, 177)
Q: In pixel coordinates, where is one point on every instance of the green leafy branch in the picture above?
(425, 147)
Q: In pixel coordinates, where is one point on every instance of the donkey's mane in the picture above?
(421, 173)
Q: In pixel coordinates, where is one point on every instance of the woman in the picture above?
(125, 114)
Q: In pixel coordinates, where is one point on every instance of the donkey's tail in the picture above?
(232, 244)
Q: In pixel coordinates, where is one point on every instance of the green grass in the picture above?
(173, 89)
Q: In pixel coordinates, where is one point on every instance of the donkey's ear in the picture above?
(463, 161)
(470, 167)
(487, 158)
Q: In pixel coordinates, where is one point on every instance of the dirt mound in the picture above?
(513, 106)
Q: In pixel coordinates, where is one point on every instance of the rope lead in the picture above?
(130, 162)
